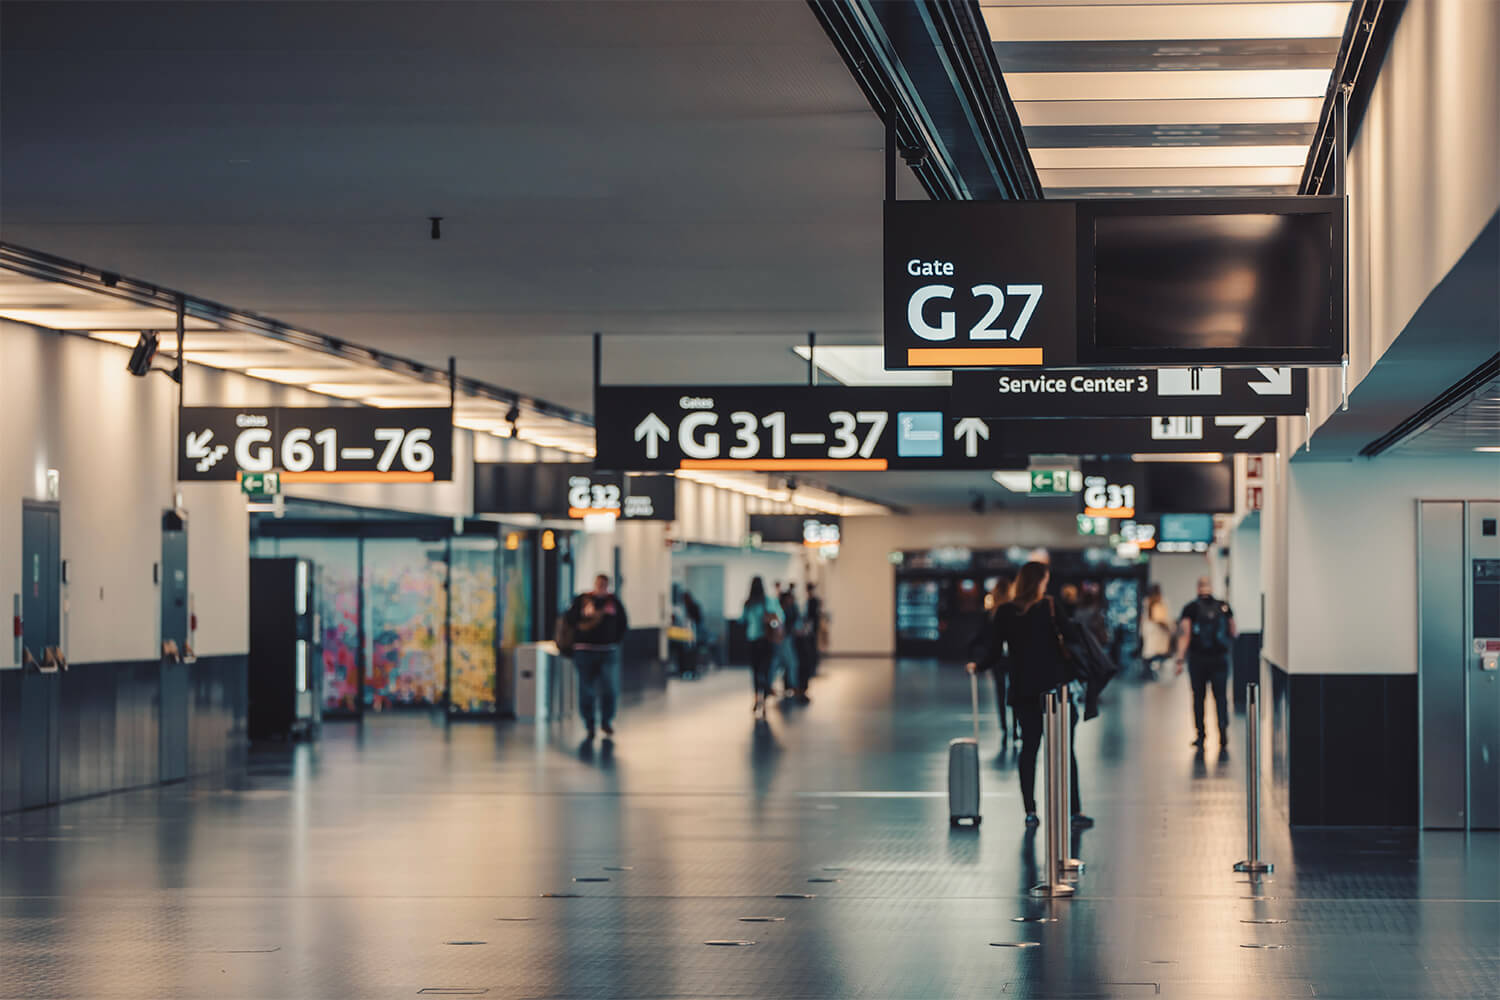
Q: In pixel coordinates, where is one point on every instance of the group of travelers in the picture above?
(783, 640)
(1032, 644)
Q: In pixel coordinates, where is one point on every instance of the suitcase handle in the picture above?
(974, 694)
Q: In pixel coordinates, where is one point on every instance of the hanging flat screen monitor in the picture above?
(1191, 529)
(1236, 280)
(1189, 487)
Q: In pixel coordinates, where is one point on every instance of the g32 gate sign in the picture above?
(314, 444)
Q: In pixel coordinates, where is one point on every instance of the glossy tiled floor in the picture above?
(402, 859)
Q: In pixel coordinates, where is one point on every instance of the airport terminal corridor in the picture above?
(400, 857)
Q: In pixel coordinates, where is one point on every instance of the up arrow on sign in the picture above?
(1278, 382)
(654, 431)
(971, 429)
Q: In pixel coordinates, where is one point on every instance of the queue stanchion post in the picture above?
(1252, 863)
(1071, 867)
(1052, 883)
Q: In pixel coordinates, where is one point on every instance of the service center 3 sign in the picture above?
(1126, 392)
(316, 444)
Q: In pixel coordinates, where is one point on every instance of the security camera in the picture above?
(140, 358)
(913, 155)
(513, 414)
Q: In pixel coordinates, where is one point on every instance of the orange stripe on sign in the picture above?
(787, 464)
(1109, 512)
(961, 357)
(315, 476)
(579, 513)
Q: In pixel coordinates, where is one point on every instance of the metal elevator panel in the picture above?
(1482, 660)
(1441, 665)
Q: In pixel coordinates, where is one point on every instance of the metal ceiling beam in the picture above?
(1367, 38)
(929, 63)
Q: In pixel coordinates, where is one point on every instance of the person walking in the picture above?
(999, 595)
(762, 620)
(599, 625)
(1026, 635)
(810, 624)
(787, 656)
(1205, 639)
(1156, 632)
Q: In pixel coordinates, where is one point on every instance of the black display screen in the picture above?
(1190, 487)
(1170, 281)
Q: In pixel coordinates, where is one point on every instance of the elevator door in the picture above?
(41, 615)
(1459, 654)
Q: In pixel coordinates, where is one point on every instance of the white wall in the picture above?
(1178, 573)
(1352, 543)
(1244, 588)
(860, 586)
(70, 406)
(1422, 177)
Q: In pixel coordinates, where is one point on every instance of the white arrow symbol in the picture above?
(654, 431)
(197, 444)
(971, 429)
(1278, 382)
(1247, 425)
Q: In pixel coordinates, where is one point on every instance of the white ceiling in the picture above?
(1167, 98)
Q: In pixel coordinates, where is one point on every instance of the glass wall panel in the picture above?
(475, 595)
(405, 609)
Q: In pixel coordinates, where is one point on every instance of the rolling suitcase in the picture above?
(963, 770)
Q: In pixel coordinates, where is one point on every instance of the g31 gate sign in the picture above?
(315, 444)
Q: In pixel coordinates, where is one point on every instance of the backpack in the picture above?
(1211, 630)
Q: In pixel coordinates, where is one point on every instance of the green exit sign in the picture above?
(260, 484)
(1055, 481)
(1097, 527)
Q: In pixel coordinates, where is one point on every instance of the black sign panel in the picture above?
(979, 284)
(355, 444)
(1154, 488)
(1182, 282)
(571, 489)
(802, 529)
(816, 428)
(766, 428)
(1128, 392)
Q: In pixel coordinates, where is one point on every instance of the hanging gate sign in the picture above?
(354, 444)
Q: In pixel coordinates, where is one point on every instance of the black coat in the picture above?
(1027, 645)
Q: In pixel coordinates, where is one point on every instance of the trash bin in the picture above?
(545, 690)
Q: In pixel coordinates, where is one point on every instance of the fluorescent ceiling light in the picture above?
(1116, 157)
(1488, 448)
(1173, 177)
(139, 318)
(1260, 111)
(866, 366)
(1153, 85)
(1015, 480)
(1181, 456)
(1151, 22)
(303, 376)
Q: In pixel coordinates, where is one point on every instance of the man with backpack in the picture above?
(1205, 638)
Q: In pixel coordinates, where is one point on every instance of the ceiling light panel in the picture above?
(1082, 157)
(1101, 22)
(1162, 99)
(1154, 85)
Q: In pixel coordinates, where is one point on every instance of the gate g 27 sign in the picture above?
(979, 284)
(316, 444)
(1162, 282)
